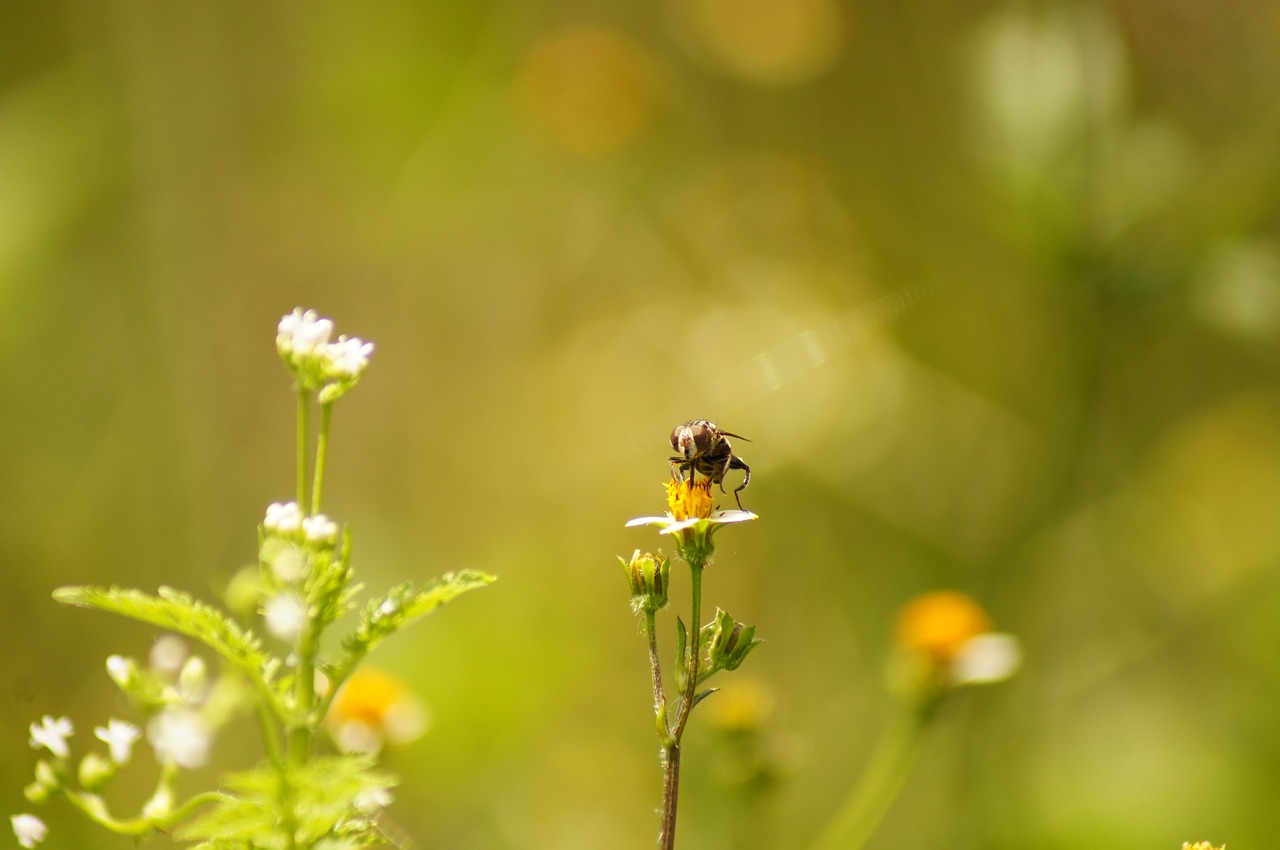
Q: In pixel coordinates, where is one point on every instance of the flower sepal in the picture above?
(725, 644)
(649, 577)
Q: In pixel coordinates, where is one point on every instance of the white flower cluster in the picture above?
(302, 338)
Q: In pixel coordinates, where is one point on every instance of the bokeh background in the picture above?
(994, 289)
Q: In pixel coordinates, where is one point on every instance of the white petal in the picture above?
(732, 516)
(29, 829)
(986, 658)
(648, 520)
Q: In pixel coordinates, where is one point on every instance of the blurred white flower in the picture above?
(29, 829)
(123, 671)
(283, 517)
(320, 529)
(180, 737)
(168, 654)
(985, 658)
(285, 615)
(372, 800)
(349, 356)
(52, 734)
(119, 737)
(300, 333)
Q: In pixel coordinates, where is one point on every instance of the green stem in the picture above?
(303, 402)
(270, 734)
(671, 749)
(695, 652)
(95, 809)
(659, 692)
(866, 805)
(322, 450)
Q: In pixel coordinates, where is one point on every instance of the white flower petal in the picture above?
(180, 737)
(680, 526)
(732, 516)
(52, 734)
(29, 829)
(119, 736)
(285, 615)
(648, 520)
(986, 658)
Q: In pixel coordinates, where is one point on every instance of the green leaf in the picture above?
(179, 612)
(321, 812)
(402, 605)
(682, 656)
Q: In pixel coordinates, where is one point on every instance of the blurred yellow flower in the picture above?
(1202, 845)
(768, 41)
(589, 89)
(939, 623)
(372, 709)
(742, 706)
(946, 640)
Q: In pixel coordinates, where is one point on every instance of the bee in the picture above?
(702, 449)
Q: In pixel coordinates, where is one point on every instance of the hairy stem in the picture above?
(671, 750)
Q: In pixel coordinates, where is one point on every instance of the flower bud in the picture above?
(727, 642)
(649, 578)
(95, 772)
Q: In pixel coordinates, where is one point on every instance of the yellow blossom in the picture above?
(374, 708)
(689, 499)
(938, 624)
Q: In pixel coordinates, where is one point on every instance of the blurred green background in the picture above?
(994, 289)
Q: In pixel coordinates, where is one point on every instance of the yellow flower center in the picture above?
(689, 499)
(938, 624)
(367, 697)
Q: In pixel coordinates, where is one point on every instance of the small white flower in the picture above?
(300, 333)
(283, 517)
(168, 654)
(180, 737)
(387, 608)
(29, 829)
(372, 800)
(192, 680)
(119, 737)
(349, 356)
(52, 734)
(122, 671)
(286, 615)
(986, 658)
(320, 529)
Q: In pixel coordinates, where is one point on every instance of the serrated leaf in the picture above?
(322, 809)
(402, 605)
(179, 612)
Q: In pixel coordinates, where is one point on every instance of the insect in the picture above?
(702, 449)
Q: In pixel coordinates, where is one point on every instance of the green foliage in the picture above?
(179, 612)
(314, 803)
(402, 605)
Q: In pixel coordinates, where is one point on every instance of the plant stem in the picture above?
(670, 794)
(303, 400)
(659, 692)
(883, 778)
(671, 750)
(322, 449)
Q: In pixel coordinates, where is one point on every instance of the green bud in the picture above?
(649, 577)
(47, 775)
(47, 785)
(726, 642)
(95, 772)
